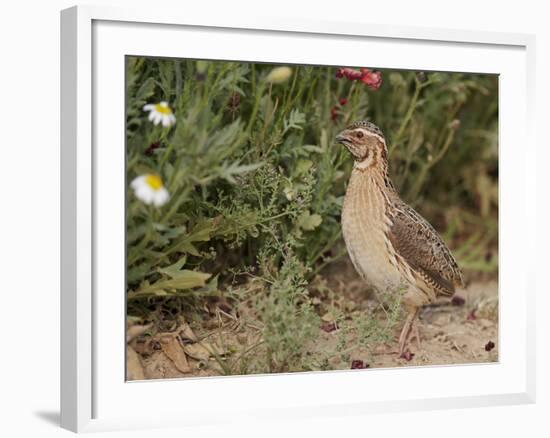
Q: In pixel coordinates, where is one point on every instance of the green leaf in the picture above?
(145, 91)
(201, 232)
(173, 271)
(236, 169)
(309, 222)
(136, 273)
(294, 121)
(302, 166)
(184, 279)
(313, 148)
(189, 248)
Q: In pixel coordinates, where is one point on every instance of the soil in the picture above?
(463, 330)
(449, 334)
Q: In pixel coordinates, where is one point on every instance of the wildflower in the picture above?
(279, 75)
(202, 66)
(371, 78)
(160, 112)
(149, 189)
(334, 113)
(348, 73)
(334, 109)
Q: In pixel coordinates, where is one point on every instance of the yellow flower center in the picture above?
(163, 108)
(154, 182)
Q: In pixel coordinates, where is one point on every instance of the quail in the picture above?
(391, 246)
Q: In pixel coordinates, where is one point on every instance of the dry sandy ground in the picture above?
(450, 334)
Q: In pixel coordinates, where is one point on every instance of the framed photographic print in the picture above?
(266, 208)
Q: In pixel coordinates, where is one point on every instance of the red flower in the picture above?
(348, 73)
(489, 346)
(334, 110)
(371, 78)
(334, 113)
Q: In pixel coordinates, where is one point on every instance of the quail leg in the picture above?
(416, 335)
(406, 331)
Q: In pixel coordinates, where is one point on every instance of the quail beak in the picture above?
(342, 138)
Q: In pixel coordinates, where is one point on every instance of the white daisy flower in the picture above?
(149, 189)
(160, 112)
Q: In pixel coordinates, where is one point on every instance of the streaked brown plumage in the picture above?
(391, 246)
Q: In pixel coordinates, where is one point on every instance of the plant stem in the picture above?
(408, 114)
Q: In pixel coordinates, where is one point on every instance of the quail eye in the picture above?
(359, 134)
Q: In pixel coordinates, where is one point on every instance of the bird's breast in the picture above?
(364, 226)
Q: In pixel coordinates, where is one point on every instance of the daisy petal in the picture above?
(145, 194)
(137, 182)
(161, 196)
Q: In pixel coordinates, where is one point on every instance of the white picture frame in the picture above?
(94, 395)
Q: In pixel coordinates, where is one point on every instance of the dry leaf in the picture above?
(172, 348)
(134, 370)
(485, 323)
(134, 331)
(142, 346)
(214, 349)
(186, 332)
(197, 351)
